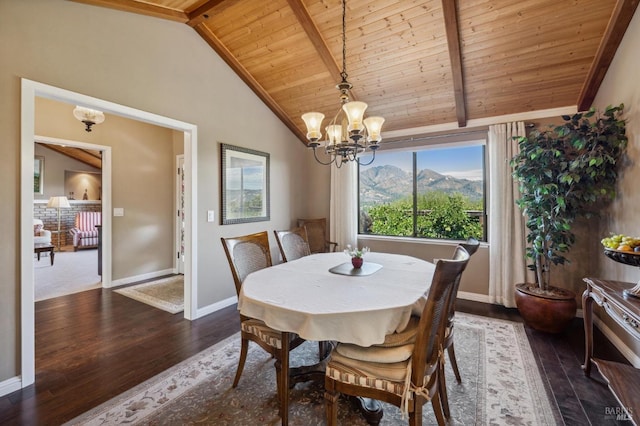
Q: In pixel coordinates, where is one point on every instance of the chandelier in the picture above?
(349, 134)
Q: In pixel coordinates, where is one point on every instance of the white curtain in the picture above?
(507, 231)
(343, 220)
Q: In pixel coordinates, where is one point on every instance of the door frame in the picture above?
(106, 199)
(180, 193)
(29, 91)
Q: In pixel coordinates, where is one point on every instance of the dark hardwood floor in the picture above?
(92, 346)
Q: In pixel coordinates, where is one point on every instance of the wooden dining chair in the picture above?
(293, 243)
(471, 246)
(247, 254)
(404, 370)
(317, 235)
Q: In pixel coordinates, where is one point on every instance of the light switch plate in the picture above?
(210, 216)
(118, 211)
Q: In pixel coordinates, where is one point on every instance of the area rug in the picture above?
(500, 385)
(166, 293)
(71, 272)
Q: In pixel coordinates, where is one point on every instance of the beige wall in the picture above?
(143, 184)
(621, 86)
(152, 65)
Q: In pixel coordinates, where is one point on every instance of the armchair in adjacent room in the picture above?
(84, 231)
(40, 235)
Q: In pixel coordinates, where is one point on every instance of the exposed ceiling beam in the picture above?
(455, 57)
(88, 157)
(315, 37)
(242, 72)
(618, 23)
(198, 15)
(318, 42)
(140, 8)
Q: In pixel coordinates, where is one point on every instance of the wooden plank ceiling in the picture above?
(415, 62)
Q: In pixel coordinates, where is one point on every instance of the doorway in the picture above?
(30, 91)
(68, 166)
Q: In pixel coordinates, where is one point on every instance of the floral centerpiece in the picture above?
(356, 255)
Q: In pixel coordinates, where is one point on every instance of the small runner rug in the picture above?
(166, 293)
(501, 384)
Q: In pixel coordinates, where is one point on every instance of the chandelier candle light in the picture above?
(349, 133)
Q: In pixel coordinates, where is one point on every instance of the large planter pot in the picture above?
(550, 313)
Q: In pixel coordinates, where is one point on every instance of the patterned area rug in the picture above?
(500, 385)
(166, 294)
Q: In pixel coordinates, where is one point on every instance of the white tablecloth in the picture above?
(302, 296)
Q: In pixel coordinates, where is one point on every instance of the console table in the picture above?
(623, 380)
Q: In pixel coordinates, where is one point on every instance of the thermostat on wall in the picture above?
(118, 211)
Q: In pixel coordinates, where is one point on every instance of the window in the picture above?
(435, 192)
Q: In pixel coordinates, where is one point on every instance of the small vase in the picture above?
(357, 262)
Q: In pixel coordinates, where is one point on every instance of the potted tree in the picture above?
(562, 172)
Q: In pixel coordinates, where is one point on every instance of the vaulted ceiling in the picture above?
(417, 63)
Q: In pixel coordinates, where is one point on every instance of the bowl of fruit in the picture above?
(622, 248)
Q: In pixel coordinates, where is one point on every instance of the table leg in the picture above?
(52, 255)
(370, 409)
(283, 390)
(587, 311)
(38, 255)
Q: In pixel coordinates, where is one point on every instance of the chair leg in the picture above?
(244, 348)
(331, 404)
(437, 409)
(454, 363)
(442, 385)
(415, 415)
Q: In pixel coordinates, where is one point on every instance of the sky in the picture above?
(460, 162)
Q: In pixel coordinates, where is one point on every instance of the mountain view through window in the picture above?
(431, 193)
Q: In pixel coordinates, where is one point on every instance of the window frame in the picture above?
(413, 147)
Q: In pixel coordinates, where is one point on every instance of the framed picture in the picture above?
(245, 185)
(38, 174)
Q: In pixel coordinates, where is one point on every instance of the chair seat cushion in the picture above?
(397, 347)
(389, 377)
(376, 354)
(265, 333)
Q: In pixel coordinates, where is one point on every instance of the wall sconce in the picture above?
(88, 116)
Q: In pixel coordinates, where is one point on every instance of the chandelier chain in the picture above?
(343, 74)
(349, 134)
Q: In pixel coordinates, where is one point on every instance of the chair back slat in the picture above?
(293, 243)
(434, 314)
(471, 246)
(316, 234)
(247, 254)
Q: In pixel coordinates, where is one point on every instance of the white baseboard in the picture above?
(142, 277)
(475, 297)
(216, 306)
(10, 385)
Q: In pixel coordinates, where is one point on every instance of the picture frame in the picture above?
(38, 174)
(245, 185)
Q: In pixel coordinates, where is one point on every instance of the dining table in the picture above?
(321, 297)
